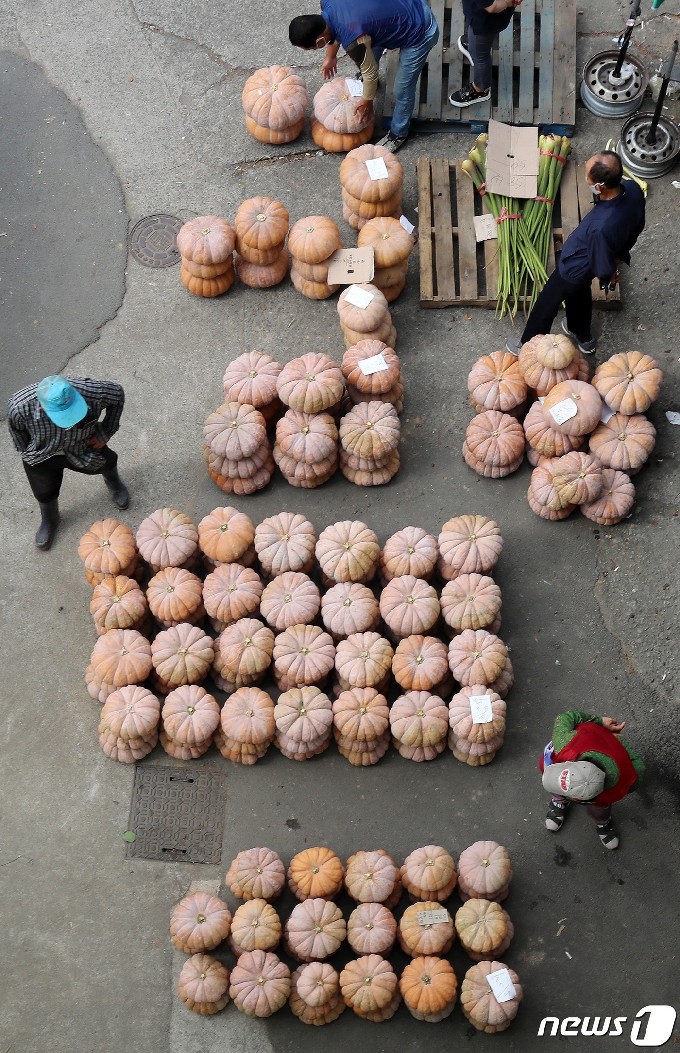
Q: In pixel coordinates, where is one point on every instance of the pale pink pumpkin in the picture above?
(308, 438)
(235, 431)
(476, 657)
(231, 592)
(248, 717)
(409, 606)
(348, 551)
(418, 718)
(199, 922)
(361, 715)
(496, 382)
(108, 547)
(371, 929)
(470, 601)
(285, 543)
(349, 607)
(462, 722)
(312, 383)
(368, 984)
(304, 715)
(370, 877)
(190, 715)
(623, 443)
(256, 873)
(469, 545)
(290, 599)
(167, 538)
(485, 870)
(615, 501)
(545, 361)
(130, 713)
(314, 930)
(480, 1005)
(588, 407)
(364, 659)
(259, 984)
(429, 873)
(203, 984)
(543, 436)
(118, 603)
(251, 380)
(182, 654)
(121, 657)
(303, 655)
(420, 662)
(245, 650)
(409, 551)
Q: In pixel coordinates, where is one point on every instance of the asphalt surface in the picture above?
(591, 616)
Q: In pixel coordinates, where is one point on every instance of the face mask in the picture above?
(596, 190)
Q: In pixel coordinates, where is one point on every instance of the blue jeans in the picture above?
(480, 47)
(411, 62)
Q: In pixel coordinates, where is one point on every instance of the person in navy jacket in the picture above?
(366, 28)
(596, 249)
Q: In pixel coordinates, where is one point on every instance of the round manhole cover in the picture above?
(153, 240)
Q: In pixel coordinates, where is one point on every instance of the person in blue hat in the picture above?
(56, 425)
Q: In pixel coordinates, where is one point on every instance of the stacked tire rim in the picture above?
(366, 195)
(613, 98)
(261, 226)
(274, 101)
(237, 450)
(372, 321)
(392, 245)
(311, 243)
(335, 125)
(206, 245)
(373, 373)
(649, 160)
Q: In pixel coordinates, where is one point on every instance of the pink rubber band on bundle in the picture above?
(548, 199)
(508, 215)
(480, 189)
(549, 153)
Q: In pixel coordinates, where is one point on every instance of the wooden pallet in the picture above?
(456, 270)
(534, 79)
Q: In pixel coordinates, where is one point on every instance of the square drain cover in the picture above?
(177, 814)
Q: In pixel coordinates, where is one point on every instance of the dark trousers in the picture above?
(45, 478)
(599, 813)
(480, 46)
(577, 300)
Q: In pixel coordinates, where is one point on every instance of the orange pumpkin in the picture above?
(268, 135)
(365, 210)
(199, 922)
(369, 986)
(476, 657)
(420, 662)
(495, 382)
(255, 927)
(261, 223)
(339, 142)
(131, 714)
(370, 431)
(623, 443)
(429, 988)
(378, 383)
(206, 240)
(468, 732)
(303, 655)
(538, 362)
(335, 108)
(494, 444)
(470, 601)
(118, 603)
(355, 178)
(225, 535)
(313, 239)
(360, 715)
(429, 873)
(588, 407)
(577, 478)
(209, 287)
(390, 242)
(275, 98)
(176, 596)
(364, 659)
(315, 997)
(544, 438)
(311, 288)
(258, 276)
(122, 657)
(316, 873)
(628, 382)
(244, 650)
(484, 929)
(181, 655)
(419, 937)
(419, 719)
(362, 319)
(107, 548)
(229, 593)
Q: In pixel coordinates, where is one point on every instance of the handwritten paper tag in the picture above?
(486, 228)
(373, 365)
(377, 169)
(606, 414)
(501, 985)
(354, 87)
(433, 917)
(564, 410)
(480, 708)
(408, 226)
(360, 298)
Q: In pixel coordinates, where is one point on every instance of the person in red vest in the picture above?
(588, 763)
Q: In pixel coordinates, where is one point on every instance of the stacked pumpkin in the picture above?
(226, 535)
(363, 660)
(285, 543)
(494, 444)
(369, 986)
(429, 988)
(256, 873)
(274, 101)
(316, 873)
(119, 603)
(304, 656)
(311, 242)
(480, 1005)
(420, 663)
(243, 654)
(335, 124)
(419, 724)
(251, 381)
(261, 226)
(347, 608)
(347, 551)
(409, 551)
(255, 927)
(306, 448)
(476, 734)
(484, 929)
(372, 321)
(237, 450)
(304, 723)
(429, 874)
(371, 378)
(199, 923)
(361, 725)
(420, 935)
(246, 726)
(109, 548)
(190, 718)
(315, 994)
(365, 196)
(314, 930)
(484, 872)
(496, 382)
(392, 245)
(471, 601)
(181, 655)
(373, 878)
(206, 245)
(128, 725)
(168, 539)
(120, 658)
(369, 437)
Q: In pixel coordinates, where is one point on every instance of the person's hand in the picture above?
(96, 443)
(612, 725)
(329, 67)
(615, 278)
(364, 110)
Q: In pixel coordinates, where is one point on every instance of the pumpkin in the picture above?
(118, 603)
(203, 984)
(263, 276)
(259, 984)
(225, 535)
(370, 473)
(355, 178)
(348, 551)
(470, 545)
(261, 223)
(628, 382)
(262, 257)
(216, 286)
(285, 543)
(315, 873)
(290, 599)
(428, 986)
(190, 715)
(370, 430)
(476, 657)
(275, 97)
(417, 937)
(419, 719)
(495, 444)
(245, 651)
(429, 873)
(316, 273)
(308, 476)
(255, 927)
(303, 655)
(409, 606)
(369, 987)
(199, 922)
(383, 333)
(206, 240)
(349, 608)
(360, 718)
(535, 360)
(463, 724)
(577, 478)
(130, 714)
(365, 210)
(307, 437)
(543, 499)
(384, 277)
(419, 663)
(231, 592)
(212, 271)
(484, 929)
(339, 142)
(470, 601)
(315, 997)
(107, 548)
(247, 724)
(623, 443)
(370, 877)
(364, 659)
(122, 657)
(242, 477)
(268, 135)
(371, 929)
(310, 287)
(615, 500)
(311, 383)
(390, 242)
(588, 407)
(256, 873)
(235, 431)
(174, 596)
(362, 319)
(335, 108)
(314, 930)
(479, 1004)
(313, 239)
(304, 718)
(495, 382)
(544, 437)
(127, 751)
(484, 871)
(378, 383)
(181, 655)
(409, 551)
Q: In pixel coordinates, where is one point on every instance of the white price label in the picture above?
(480, 708)
(501, 985)
(373, 365)
(433, 917)
(564, 410)
(354, 87)
(358, 297)
(377, 169)
(486, 228)
(406, 224)
(606, 414)
(542, 398)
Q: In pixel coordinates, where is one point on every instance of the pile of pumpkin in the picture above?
(261, 983)
(568, 412)
(345, 415)
(310, 643)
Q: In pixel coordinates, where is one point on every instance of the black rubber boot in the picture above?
(48, 525)
(116, 488)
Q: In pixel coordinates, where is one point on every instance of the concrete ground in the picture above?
(591, 615)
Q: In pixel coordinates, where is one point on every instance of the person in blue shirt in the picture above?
(484, 23)
(365, 29)
(596, 249)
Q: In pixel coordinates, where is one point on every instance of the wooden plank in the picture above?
(545, 66)
(490, 262)
(425, 228)
(455, 77)
(433, 102)
(569, 200)
(467, 243)
(443, 237)
(503, 111)
(527, 36)
(564, 64)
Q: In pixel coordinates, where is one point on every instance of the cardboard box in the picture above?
(351, 266)
(512, 161)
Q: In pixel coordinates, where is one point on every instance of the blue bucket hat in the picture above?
(61, 402)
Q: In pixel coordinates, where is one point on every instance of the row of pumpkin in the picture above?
(607, 413)
(261, 983)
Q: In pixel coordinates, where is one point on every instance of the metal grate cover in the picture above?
(153, 240)
(177, 814)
